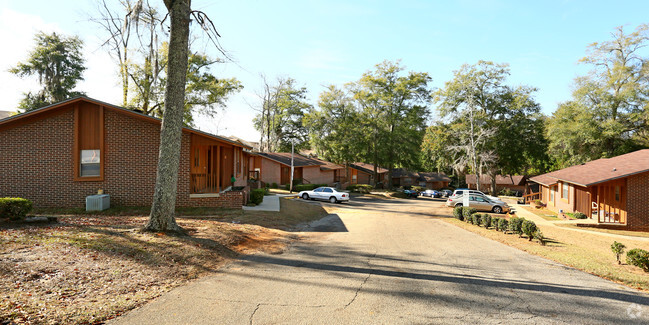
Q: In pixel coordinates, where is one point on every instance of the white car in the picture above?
(461, 191)
(480, 202)
(325, 193)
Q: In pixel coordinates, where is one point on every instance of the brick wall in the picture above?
(637, 202)
(36, 162)
(270, 171)
(316, 176)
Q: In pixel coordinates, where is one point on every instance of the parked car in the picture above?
(461, 191)
(325, 193)
(480, 202)
(446, 193)
(431, 193)
(411, 193)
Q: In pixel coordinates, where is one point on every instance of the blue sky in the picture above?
(333, 42)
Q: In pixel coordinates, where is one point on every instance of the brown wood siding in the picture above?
(89, 130)
(583, 200)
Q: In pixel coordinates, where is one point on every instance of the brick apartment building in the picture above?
(59, 154)
(612, 191)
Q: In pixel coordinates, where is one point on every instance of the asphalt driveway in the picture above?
(395, 262)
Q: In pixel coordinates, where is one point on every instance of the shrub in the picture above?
(485, 220)
(418, 188)
(538, 235)
(360, 188)
(476, 219)
(618, 249)
(257, 195)
(495, 222)
(507, 192)
(515, 225)
(273, 185)
(579, 215)
(306, 187)
(457, 213)
(503, 224)
(14, 208)
(467, 212)
(639, 258)
(529, 228)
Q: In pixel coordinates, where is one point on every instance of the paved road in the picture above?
(394, 262)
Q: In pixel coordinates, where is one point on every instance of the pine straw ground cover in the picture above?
(589, 252)
(88, 269)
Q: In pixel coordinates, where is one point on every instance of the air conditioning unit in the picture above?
(98, 202)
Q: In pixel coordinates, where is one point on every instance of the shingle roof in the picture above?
(367, 168)
(600, 170)
(433, 177)
(328, 165)
(285, 159)
(500, 179)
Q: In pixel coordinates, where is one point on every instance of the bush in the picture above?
(538, 235)
(579, 215)
(639, 258)
(476, 219)
(485, 220)
(457, 213)
(618, 249)
(257, 196)
(306, 187)
(418, 188)
(14, 208)
(467, 212)
(507, 192)
(360, 188)
(529, 228)
(273, 185)
(503, 224)
(515, 225)
(495, 222)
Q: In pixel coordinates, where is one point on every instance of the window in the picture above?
(552, 189)
(90, 163)
(197, 161)
(328, 190)
(617, 193)
(564, 194)
(319, 189)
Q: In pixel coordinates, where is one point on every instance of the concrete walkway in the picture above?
(270, 203)
(522, 212)
(395, 262)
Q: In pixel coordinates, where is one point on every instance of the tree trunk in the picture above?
(164, 199)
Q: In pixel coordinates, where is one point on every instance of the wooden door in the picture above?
(285, 179)
(227, 167)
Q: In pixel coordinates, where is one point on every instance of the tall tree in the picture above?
(395, 109)
(280, 120)
(508, 120)
(59, 65)
(162, 216)
(610, 105)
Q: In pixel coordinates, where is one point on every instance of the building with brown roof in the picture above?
(362, 173)
(403, 177)
(275, 167)
(512, 182)
(59, 154)
(612, 191)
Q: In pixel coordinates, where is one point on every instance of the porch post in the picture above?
(218, 169)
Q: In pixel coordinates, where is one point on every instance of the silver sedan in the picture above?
(481, 203)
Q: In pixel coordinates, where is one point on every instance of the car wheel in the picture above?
(333, 199)
(458, 205)
(497, 209)
(305, 196)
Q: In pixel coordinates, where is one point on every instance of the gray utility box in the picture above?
(97, 202)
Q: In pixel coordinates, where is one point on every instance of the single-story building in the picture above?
(275, 167)
(513, 182)
(612, 191)
(403, 177)
(59, 154)
(362, 173)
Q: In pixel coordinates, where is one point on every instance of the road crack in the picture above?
(253, 313)
(362, 283)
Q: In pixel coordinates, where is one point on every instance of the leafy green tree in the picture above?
(59, 65)
(394, 108)
(500, 128)
(281, 116)
(609, 111)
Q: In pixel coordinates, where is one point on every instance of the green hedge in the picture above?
(457, 213)
(257, 195)
(638, 257)
(14, 208)
(361, 188)
(529, 228)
